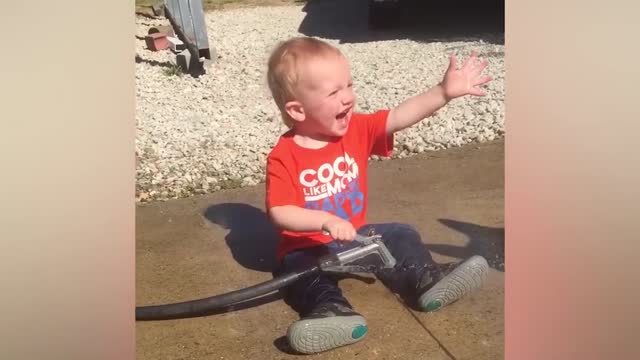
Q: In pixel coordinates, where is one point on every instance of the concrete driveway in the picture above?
(207, 245)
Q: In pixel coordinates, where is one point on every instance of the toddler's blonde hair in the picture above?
(284, 62)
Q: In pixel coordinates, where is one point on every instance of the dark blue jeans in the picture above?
(404, 243)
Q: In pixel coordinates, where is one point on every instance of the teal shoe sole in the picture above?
(464, 279)
(310, 336)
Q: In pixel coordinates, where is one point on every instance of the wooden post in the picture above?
(196, 67)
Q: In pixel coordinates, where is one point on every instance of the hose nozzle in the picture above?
(343, 261)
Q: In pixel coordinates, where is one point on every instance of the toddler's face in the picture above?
(326, 95)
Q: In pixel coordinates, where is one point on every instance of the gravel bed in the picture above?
(196, 136)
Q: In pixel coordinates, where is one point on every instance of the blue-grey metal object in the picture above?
(368, 245)
(189, 15)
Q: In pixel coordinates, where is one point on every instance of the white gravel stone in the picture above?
(199, 135)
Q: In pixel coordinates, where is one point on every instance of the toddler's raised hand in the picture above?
(339, 229)
(467, 79)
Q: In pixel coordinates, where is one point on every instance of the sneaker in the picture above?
(329, 326)
(452, 282)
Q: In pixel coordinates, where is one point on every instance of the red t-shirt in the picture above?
(333, 178)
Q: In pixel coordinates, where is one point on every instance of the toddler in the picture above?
(316, 189)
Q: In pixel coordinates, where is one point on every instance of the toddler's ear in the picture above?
(295, 110)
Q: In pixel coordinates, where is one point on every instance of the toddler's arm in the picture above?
(456, 83)
(294, 218)
(415, 109)
(297, 219)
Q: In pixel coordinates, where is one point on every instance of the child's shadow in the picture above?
(252, 238)
(485, 241)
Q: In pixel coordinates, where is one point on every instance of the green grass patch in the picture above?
(173, 70)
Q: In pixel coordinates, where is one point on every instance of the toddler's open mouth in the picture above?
(342, 116)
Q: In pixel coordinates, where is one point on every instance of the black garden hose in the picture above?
(217, 302)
